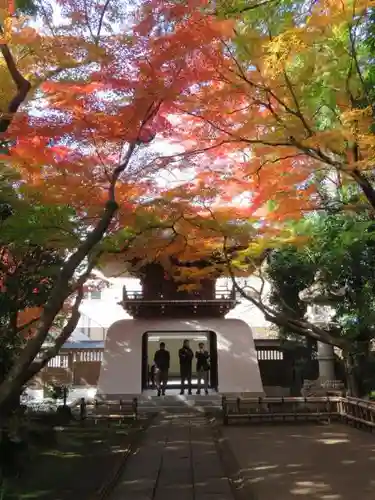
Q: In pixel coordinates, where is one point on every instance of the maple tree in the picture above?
(285, 105)
(220, 121)
(100, 88)
(275, 118)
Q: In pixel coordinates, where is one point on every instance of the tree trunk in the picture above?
(365, 185)
(352, 383)
(19, 372)
(23, 87)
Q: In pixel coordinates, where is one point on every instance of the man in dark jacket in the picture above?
(203, 367)
(185, 355)
(162, 360)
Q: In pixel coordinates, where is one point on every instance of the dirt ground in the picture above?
(304, 462)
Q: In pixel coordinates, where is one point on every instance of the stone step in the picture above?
(168, 398)
(193, 397)
(178, 401)
(180, 410)
(174, 405)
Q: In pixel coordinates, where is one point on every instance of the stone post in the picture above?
(326, 360)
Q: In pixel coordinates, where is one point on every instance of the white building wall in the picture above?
(121, 367)
(238, 369)
(98, 314)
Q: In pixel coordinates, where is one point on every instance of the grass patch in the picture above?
(74, 467)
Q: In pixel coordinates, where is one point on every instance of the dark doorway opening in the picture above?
(214, 374)
(173, 341)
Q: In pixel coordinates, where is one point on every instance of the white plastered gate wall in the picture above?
(238, 369)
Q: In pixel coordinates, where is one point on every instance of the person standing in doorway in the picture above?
(185, 355)
(162, 361)
(203, 367)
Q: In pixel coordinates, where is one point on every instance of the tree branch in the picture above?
(67, 330)
(52, 351)
(23, 87)
(247, 8)
(27, 325)
(300, 327)
(365, 185)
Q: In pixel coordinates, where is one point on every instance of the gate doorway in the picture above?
(173, 342)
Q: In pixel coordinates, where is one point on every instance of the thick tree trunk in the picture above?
(352, 383)
(365, 185)
(23, 87)
(23, 367)
(17, 375)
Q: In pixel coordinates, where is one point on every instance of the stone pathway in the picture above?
(177, 460)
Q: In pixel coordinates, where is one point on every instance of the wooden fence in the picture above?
(77, 368)
(352, 411)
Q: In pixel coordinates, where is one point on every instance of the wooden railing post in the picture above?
(82, 409)
(239, 405)
(135, 408)
(224, 410)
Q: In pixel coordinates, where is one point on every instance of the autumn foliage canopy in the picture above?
(262, 100)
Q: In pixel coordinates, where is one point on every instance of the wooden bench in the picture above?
(280, 409)
(114, 411)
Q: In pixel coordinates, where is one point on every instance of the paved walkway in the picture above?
(177, 460)
(305, 462)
